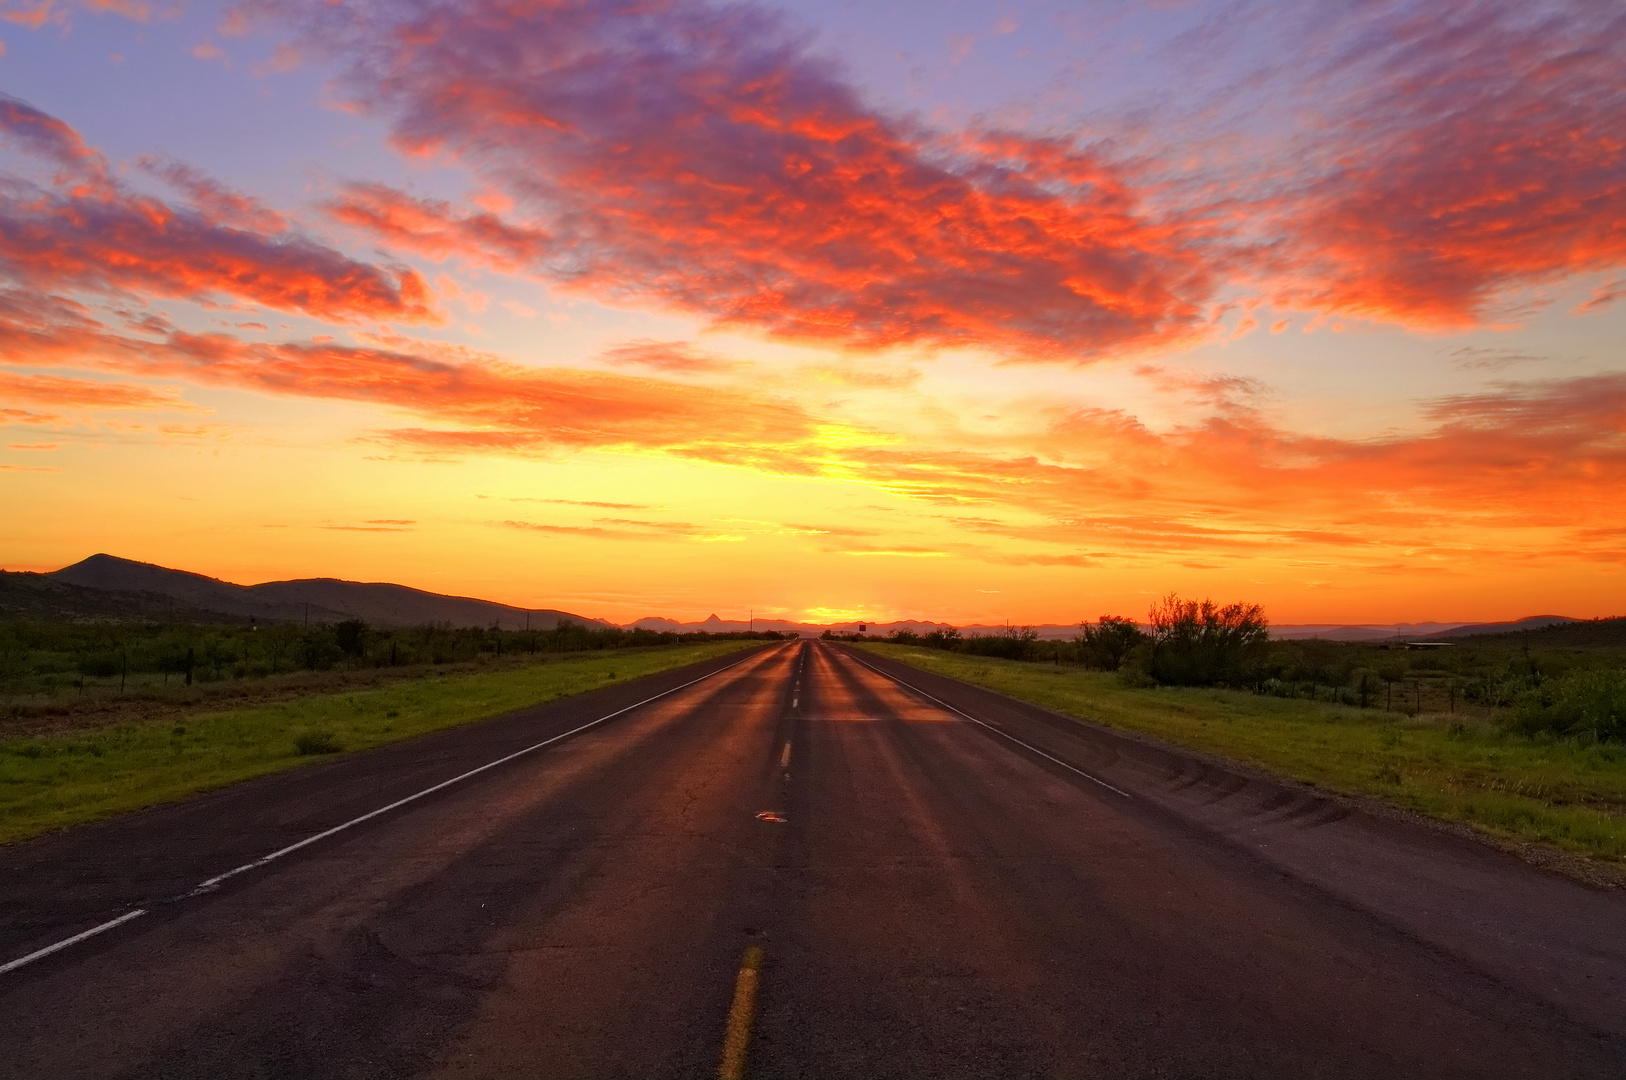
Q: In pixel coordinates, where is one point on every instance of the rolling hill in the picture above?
(107, 586)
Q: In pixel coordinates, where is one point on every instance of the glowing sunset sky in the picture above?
(965, 311)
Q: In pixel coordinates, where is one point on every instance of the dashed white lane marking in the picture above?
(997, 731)
(216, 881)
(784, 757)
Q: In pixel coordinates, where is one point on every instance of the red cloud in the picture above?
(89, 233)
(699, 158)
(435, 228)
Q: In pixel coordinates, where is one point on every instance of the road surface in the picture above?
(802, 862)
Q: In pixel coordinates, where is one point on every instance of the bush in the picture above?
(1583, 703)
(1016, 643)
(1108, 643)
(351, 637)
(317, 742)
(1200, 644)
(1133, 674)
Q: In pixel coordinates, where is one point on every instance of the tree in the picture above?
(279, 640)
(1108, 642)
(1200, 643)
(350, 636)
(1012, 643)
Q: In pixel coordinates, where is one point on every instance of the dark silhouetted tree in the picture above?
(1196, 643)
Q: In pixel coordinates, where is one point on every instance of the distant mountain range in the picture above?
(1430, 630)
(108, 587)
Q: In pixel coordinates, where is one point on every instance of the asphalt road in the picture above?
(941, 883)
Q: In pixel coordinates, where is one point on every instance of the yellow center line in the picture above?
(740, 1016)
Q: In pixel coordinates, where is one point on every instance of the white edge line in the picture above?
(40, 954)
(991, 727)
(280, 852)
(214, 882)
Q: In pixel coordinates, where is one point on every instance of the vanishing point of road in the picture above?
(803, 861)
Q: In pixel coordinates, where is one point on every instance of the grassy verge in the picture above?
(1564, 793)
(51, 782)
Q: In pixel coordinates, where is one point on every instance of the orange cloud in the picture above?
(672, 357)
(1070, 488)
(499, 406)
(1466, 150)
(90, 234)
(88, 394)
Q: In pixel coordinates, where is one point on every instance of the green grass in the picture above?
(1564, 793)
(51, 782)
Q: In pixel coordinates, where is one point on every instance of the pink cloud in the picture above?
(435, 228)
(84, 393)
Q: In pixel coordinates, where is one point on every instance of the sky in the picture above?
(966, 311)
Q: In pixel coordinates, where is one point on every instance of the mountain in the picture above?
(25, 595)
(713, 625)
(1533, 622)
(137, 589)
(1556, 633)
(109, 573)
(384, 604)
(108, 587)
(1360, 632)
(1432, 631)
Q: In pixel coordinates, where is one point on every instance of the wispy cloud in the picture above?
(670, 357)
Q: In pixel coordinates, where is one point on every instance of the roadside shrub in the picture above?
(350, 637)
(1583, 703)
(1108, 643)
(1201, 644)
(317, 742)
(1133, 673)
(1015, 643)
